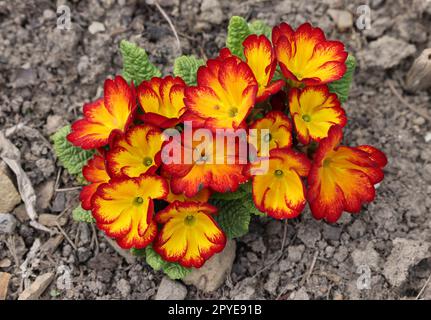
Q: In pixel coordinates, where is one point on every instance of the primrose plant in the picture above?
(174, 165)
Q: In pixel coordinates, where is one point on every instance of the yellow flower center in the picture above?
(189, 220)
(148, 161)
(306, 118)
(278, 173)
(233, 112)
(138, 201)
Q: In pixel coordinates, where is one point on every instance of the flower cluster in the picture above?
(278, 92)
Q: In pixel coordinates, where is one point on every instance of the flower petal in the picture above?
(123, 208)
(136, 153)
(189, 235)
(280, 192)
(314, 111)
(342, 178)
(306, 57)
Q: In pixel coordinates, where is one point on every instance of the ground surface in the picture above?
(46, 75)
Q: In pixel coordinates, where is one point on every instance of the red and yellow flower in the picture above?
(306, 57)
(189, 235)
(277, 188)
(279, 133)
(225, 93)
(95, 173)
(204, 165)
(220, 170)
(135, 153)
(314, 111)
(123, 209)
(106, 116)
(260, 57)
(342, 178)
(162, 101)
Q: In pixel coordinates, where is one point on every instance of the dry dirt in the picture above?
(47, 74)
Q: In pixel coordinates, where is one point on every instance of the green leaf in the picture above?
(237, 31)
(342, 87)
(71, 157)
(172, 270)
(259, 27)
(186, 67)
(233, 217)
(154, 259)
(82, 215)
(176, 271)
(138, 252)
(136, 64)
(249, 204)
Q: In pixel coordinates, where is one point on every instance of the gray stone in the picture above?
(53, 123)
(342, 18)
(124, 287)
(404, 255)
(83, 254)
(213, 273)
(274, 227)
(96, 27)
(369, 257)
(300, 294)
(9, 196)
(211, 12)
(244, 290)
(331, 232)
(258, 246)
(295, 253)
(44, 193)
(7, 223)
(378, 27)
(171, 290)
(385, 53)
(357, 229)
(271, 284)
(309, 234)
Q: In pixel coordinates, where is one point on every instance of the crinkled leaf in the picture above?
(154, 259)
(342, 87)
(249, 204)
(233, 217)
(138, 252)
(71, 157)
(136, 64)
(82, 215)
(259, 27)
(237, 31)
(172, 270)
(175, 271)
(186, 67)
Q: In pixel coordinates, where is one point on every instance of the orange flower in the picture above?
(162, 101)
(105, 117)
(95, 173)
(225, 93)
(219, 170)
(260, 58)
(189, 235)
(314, 110)
(306, 57)
(279, 135)
(123, 209)
(137, 152)
(342, 178)
(280, 192)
